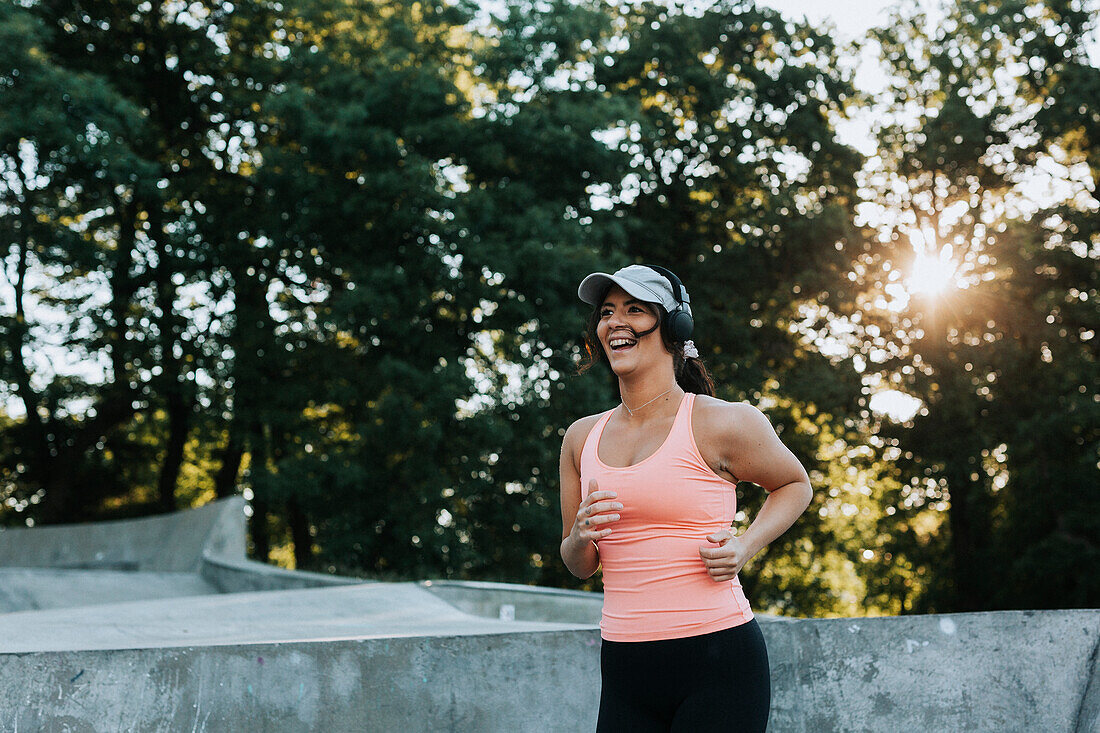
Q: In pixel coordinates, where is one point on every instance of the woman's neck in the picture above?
(646, 395)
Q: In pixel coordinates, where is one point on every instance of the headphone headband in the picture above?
(680, 322)
(677, 286)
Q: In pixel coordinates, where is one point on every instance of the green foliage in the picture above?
(1006, 363)
(326, 253)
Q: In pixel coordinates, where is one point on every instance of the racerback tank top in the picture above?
(655, 583)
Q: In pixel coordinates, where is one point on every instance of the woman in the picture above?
(647, 491)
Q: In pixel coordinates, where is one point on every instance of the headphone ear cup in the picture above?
(680, 325)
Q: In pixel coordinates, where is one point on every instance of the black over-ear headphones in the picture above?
(680, 324)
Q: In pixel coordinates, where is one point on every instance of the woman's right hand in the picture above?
(596, 511)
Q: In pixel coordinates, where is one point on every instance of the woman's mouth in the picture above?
(621, 343)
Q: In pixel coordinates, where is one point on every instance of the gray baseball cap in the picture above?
(639, 281)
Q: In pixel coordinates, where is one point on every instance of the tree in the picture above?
(958, 142)
(67, 158)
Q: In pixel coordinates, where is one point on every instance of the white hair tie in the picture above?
(690, 351)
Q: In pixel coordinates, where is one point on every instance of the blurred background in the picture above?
(324, 254)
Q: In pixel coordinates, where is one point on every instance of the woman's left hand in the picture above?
(725, 561)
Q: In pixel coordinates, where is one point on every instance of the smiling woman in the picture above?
(639, 314)
(648, 495)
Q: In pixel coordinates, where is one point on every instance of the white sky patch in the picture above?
(51, 326)
(451, 177)
(897, 405)
(850, 18)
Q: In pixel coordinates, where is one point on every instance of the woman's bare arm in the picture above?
(747, 447)
(583, 522)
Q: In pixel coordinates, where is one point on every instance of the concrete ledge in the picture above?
(519, 602)
(995, 672)
(502, 682)
(169, 542)
(240, 576)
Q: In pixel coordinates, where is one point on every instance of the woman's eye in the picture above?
(605, 313)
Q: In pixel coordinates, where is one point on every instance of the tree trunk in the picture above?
(299, 533)
(179, 425)
(964, 561)
(261, 536)
(225, 481)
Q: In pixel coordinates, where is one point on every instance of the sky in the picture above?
(851, 17)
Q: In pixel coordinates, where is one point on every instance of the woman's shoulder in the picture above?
(721, 416)
(708, 404)
(581, 427)
(576, 433)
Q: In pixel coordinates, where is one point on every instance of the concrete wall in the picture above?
(996, 671)
(1088, 717)
(209, 541)
(499, 682)
(242, 576)
(519, 602)
(1005, 671)
(447, 655)
(166, 543)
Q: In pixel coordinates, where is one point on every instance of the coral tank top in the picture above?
(655, 584)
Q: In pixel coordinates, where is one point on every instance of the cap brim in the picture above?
(595, 286)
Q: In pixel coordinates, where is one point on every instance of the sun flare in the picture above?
(933, 268)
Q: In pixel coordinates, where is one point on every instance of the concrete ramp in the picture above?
(997, 673)
(190, 553)
(32, 589)
(167, 543)
(367, 611)
(161, 624)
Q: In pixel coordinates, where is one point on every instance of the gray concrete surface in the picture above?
(363, 611)
(996, 671)
(31, 589)
(162, 624)
(166, 543)
(190, 553)
(519, 602)
(1088, 717)
(1001, 672)
(237, 575)
(499, 682)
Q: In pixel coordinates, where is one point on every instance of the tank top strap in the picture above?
(680, 436)
(588, 451)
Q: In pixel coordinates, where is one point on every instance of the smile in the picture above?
(621, 343)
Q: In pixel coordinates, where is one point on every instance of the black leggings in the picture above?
(713, 682)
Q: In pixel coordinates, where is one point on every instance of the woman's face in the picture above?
(622, 319)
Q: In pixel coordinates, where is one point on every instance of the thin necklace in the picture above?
(648, 403)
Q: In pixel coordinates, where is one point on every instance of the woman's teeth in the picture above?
(618, 344)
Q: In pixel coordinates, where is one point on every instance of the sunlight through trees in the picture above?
(324, 253)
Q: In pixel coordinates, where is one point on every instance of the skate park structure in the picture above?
(161, 624)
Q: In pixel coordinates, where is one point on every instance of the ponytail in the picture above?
(691, 372)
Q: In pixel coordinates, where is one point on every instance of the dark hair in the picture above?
(691, 372)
